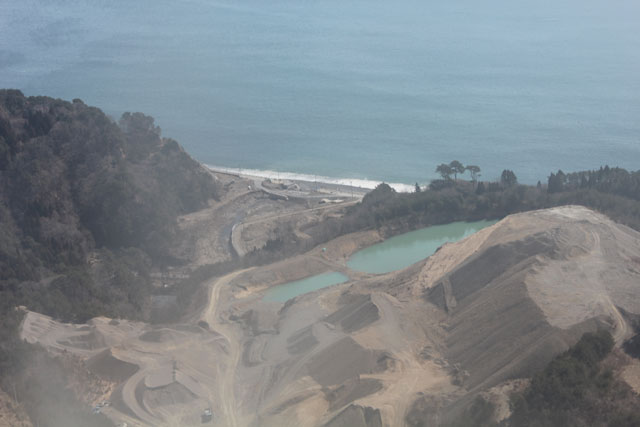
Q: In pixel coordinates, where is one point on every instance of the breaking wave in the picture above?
(292, 176)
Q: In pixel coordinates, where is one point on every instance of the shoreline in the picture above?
(344, 185)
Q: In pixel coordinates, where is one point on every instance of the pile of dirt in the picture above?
(106, 366)
(159, 335)
(171, 394)
(356, 416)
(91, 341)
(528, 291)
(358, 312)
(351, 390)
(343, 361)
(302, 341)
(508, 315)
(289, 270)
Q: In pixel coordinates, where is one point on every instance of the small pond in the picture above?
(286, 291)
(401, 251)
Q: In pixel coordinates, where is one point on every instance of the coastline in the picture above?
(346, 187)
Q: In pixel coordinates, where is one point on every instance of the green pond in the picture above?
(392, 254)
(286, 291)
(401, 251)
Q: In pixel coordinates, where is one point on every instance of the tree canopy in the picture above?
(508, 178)
(456, 168)
(445, 171)
(453, 168)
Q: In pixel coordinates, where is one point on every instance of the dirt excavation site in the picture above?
(377, 350)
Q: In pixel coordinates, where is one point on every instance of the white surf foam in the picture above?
(292, 176)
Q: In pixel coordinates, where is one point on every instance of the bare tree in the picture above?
(474, 171)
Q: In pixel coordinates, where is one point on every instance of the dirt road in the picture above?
(237, 229)
(225, 392)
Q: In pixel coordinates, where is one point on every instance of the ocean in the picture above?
(350, 90)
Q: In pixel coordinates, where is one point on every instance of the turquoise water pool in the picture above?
(286, 291)
(401, 251)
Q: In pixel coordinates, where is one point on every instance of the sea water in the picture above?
(359, 89)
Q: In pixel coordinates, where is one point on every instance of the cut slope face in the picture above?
(532, 285)
(576, 264)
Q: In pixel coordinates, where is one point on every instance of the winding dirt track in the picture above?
(129, 396)
(225, 392)
(236, 229)
(284, 215)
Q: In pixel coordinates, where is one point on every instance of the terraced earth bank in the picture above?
(377, 350)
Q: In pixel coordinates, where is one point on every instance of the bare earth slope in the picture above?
(536, 279)
(392, 349)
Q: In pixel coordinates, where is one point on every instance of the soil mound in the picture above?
(91, 341)
(356, 416)
(106, 366)
(351, 391)
(356, 314)
(171, 394)
(302, 341)
(158, 336)
(344, 360)
(533, 288)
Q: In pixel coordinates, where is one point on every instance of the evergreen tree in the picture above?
(456, 168)
(508, 178)
(445, 171)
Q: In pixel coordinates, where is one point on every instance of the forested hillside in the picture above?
(87, 207)
(79, 190)
(613, 191)
(580, 387)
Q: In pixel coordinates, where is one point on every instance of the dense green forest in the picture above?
(612, 191)
(87, 207)
(578, 389)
